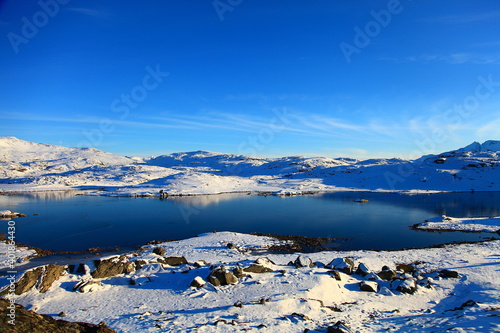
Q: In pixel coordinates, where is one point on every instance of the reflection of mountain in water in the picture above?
(472, 204)
(47, 195)
(205, 200)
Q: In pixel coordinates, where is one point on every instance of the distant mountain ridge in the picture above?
(26, 165)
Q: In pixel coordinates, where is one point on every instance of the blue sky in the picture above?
(267, 78)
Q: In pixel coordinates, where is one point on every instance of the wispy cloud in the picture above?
(453, 58)
(87, 11)
(463, 18)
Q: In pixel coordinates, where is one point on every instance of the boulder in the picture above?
(256, 268)
(407, 286)
(172, 261)
(41, 278)
(345, 265)
(159, 251)
(199, 263)
(303, 261)
(335, 274)
(239, 273)
(370, 286)
(363, 270)
(140, 263)
(87, 286)
(112, 267)
(51, 273)
(197, 282)
(448, 274)
(339, 327)
(221, 277)
(387, 274)
(405, 268)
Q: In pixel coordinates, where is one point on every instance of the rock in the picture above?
(51, 273)
(140, 263)
(370, 286)
(199, 263)
(197, 282)
(139, 280)
(339, 327)
(387, 274)
(407, 286)
(448, 274)
(300, 315)
(41, 278)
(264, 261)
(363, 270)
(405, 268)
(345, 265)
(159, 251)
(87, 286)
(303, 261)
(335, 274)
(230, 246)
(172, 261)
(9, 214)
(255, 268)
(29, 321)
(61, 314)
(239, 273)
(221, 277)
(239, 304)
(112, 267)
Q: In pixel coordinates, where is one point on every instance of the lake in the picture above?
(65, 221)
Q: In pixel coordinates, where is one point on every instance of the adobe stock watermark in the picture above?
(31, 26)
(122, 106)
(452, 117)
(223, 6)
(11, 277)
(371, 29)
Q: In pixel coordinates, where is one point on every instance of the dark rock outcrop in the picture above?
(41, 278)
(221, 277)
(112, 267)
(345, 265)
(29, 321)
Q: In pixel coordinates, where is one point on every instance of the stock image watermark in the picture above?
(223, 6)
(121, 106)
(11, 273)
(364, 36)
(451, 117)
(32, 25)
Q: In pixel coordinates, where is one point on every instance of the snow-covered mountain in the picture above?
(31, 166)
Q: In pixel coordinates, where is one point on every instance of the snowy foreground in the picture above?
(452, 289)
(28, 166)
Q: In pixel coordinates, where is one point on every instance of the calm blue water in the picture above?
(69, 222)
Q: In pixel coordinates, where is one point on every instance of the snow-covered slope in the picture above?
(31, 166)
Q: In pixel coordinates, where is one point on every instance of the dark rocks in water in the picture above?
(221, 277)
(448, 274)
(303, 261)
(112, 267)
(370, 286)
(339, 327)
(10, 214)
(41, 278)
(159, 251)
(30, 321)
(345, 265)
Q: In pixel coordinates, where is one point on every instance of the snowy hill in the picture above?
(31, 166)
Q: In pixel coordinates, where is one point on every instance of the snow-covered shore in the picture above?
(471, 224)
(457, 288)
(28, 166)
